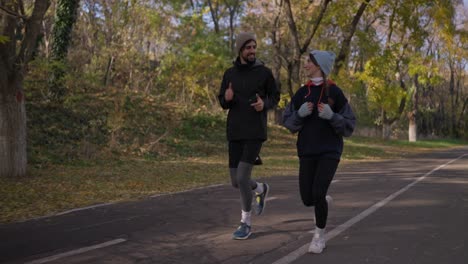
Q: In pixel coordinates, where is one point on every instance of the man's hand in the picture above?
(229, 94)
(259, 104)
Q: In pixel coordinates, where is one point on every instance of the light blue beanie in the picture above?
(325, 60)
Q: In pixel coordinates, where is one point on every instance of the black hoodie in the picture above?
(243, 121)
(319, 137)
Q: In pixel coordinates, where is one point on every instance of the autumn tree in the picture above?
(18, 40)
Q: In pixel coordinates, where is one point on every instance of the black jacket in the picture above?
(320, 137)
(243, 121)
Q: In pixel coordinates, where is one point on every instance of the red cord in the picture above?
(309, 83)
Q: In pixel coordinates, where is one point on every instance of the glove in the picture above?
(305, 110)
(325, 111)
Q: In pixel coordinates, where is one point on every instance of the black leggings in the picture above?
(315, 176)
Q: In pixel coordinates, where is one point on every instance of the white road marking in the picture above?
(194, 189)
(76, 251)
(339, 229)
(83, 208)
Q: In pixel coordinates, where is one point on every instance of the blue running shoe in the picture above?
(242, 232)
(260, 200)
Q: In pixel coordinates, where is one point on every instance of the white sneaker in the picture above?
(317, 245)
(318, 241)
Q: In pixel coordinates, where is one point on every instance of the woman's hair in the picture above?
(313, 60)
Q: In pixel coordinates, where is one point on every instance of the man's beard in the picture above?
(249, 59)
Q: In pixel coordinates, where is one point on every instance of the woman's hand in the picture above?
(305, 109)
(325, 112)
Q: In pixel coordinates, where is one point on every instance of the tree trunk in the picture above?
(234, 7)
(386, 131)
(412, 128)
(65, 18)
(214, 15)
(107, 77)
(453, 128)
(412, 116)
(13, 155)
(387, 125)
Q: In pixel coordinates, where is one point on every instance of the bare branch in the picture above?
(316, 25)
(32, 28)
(11, 13)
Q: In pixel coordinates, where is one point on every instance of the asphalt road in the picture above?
(398, 211)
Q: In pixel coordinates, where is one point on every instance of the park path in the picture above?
(411, 210)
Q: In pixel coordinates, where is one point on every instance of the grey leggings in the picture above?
(242, 155)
